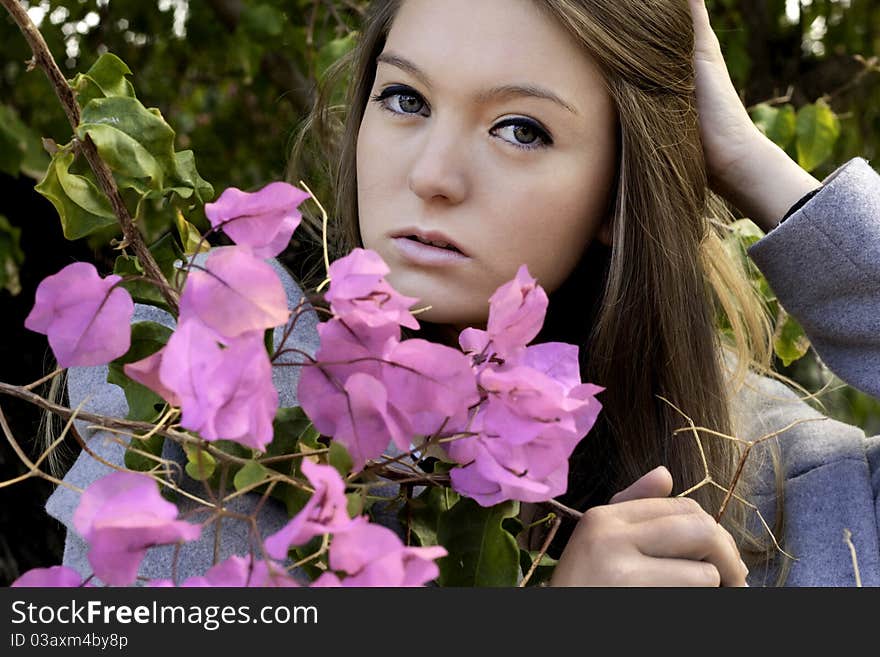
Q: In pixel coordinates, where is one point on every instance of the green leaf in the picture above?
(818, 129)
(188, 178)
(12, 145)
(134, 141)
(190, 237)
(146, 339)
(789, 341)
(82, 209)
(262, 21)
(11, 256)
(292, 431)
(21, 149)
(356, 503)
(105, 78)
(481, 551)
(778, 123)
(423, 512)
(200, 465)
(340, 459)
(165, 251)
(251, 473)
(152, 445)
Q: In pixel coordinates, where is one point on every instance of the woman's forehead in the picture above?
(491, 47)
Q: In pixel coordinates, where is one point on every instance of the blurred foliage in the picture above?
(236, 77)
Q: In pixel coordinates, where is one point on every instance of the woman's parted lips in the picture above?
(429, 236)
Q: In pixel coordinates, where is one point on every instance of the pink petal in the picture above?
(52, 577)
(120, 516)
(264, 220)
(430, 384)
(357, 287)
(237, 572)
(84, 316)
(146, 372)
(239, 293)
(516, 311)
(324, 513)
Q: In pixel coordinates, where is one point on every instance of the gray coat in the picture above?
(823, 263)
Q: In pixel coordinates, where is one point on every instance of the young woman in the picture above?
(581, 137)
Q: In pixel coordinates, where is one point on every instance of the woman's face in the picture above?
(460, 144)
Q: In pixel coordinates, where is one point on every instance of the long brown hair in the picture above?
(645, 310)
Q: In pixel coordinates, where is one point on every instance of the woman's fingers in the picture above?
(706, 45)
(674, 572)
(633, 511)
(695, 537)
(656, 483)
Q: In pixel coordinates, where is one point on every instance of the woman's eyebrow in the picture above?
(502, 91)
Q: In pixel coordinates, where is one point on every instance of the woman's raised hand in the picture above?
(743, 165)
(643, 537)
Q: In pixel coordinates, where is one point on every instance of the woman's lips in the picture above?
(425, 254)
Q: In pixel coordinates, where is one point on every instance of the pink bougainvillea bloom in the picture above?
(527, 428)
(225, 393)
(324, 513)
(365, 426)
(146, 372)
(359, 290)
(500, 471)
(404, 388)
(430, 386)
(372, 555)
(84, 316)
(516, 315)
(263, 220)
(237, 572)
(53, 577)
(237, 293)
(517, 310)
(120, 516)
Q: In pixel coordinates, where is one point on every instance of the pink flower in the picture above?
(264, 220)
(85, 317)
(146, 372)
(324, 513)
(372, 555)
(237, 293)
(120, 516)
(53, 577)
(368, 388)
(365, 424)
(343, 394)
(237, 572)
(225, 393)
(516, 315)
(429, 384)
(535, 414)
(358, 290)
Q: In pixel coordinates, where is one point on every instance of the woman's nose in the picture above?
(439, 168)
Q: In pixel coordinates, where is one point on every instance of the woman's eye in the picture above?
(519, 133)
(408, 101)
(524, 134)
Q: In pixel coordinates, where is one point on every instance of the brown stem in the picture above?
(43, 58)
(544, 547)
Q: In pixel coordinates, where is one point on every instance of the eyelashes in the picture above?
(542, 138)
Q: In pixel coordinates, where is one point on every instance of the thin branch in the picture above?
(544, 547)
(103, 174)
(847, 538)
